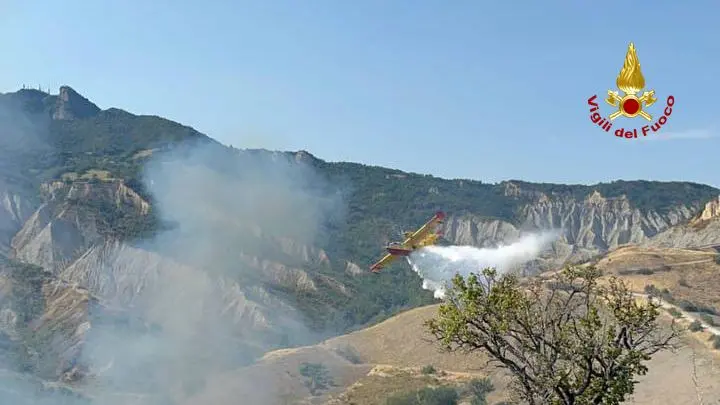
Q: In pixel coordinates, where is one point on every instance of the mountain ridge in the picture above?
(382, 199)
(271, 248)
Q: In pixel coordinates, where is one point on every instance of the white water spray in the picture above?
(437, 265)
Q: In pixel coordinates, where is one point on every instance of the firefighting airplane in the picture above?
(427, 235)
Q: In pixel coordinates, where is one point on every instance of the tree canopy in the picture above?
(317, 377)
(571, 341)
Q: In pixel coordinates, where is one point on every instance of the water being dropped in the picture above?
(437, 265)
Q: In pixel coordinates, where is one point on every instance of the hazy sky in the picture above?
(490, 90)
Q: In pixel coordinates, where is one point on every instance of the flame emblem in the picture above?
(630, 81)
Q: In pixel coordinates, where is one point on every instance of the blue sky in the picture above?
(489, 90)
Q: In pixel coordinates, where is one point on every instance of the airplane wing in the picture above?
(382, 263)
(429, 226)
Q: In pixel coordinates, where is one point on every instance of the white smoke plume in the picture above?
(212, 312)
(437, 265)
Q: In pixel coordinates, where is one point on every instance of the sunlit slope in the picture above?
(690, 275)
(390, 357)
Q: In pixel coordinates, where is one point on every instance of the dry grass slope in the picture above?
(692, 275)
(402, 341)
(390, 356)
(689, 274)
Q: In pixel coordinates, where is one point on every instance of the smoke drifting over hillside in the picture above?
(437, 265)
(196, 308)
(211, 312)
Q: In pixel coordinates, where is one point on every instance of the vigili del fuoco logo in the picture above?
(631, 104)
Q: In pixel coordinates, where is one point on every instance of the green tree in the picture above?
(696, 326)
(429, 369)
(477, 390)
(716, 342)
(575, 342)
(317, 377)
(426, 396)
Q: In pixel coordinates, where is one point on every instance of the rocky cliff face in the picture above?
(69, 222)
(701, 230)
(586, 227)
(711, 211)
(169, 289)
(70, 105)
(15, 208)
(44, 321)
(124, 276)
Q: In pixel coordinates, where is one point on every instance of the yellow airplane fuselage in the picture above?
(407, 246)
(428, 240)
(427, 235)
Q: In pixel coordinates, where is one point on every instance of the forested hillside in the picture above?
(67, 138)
